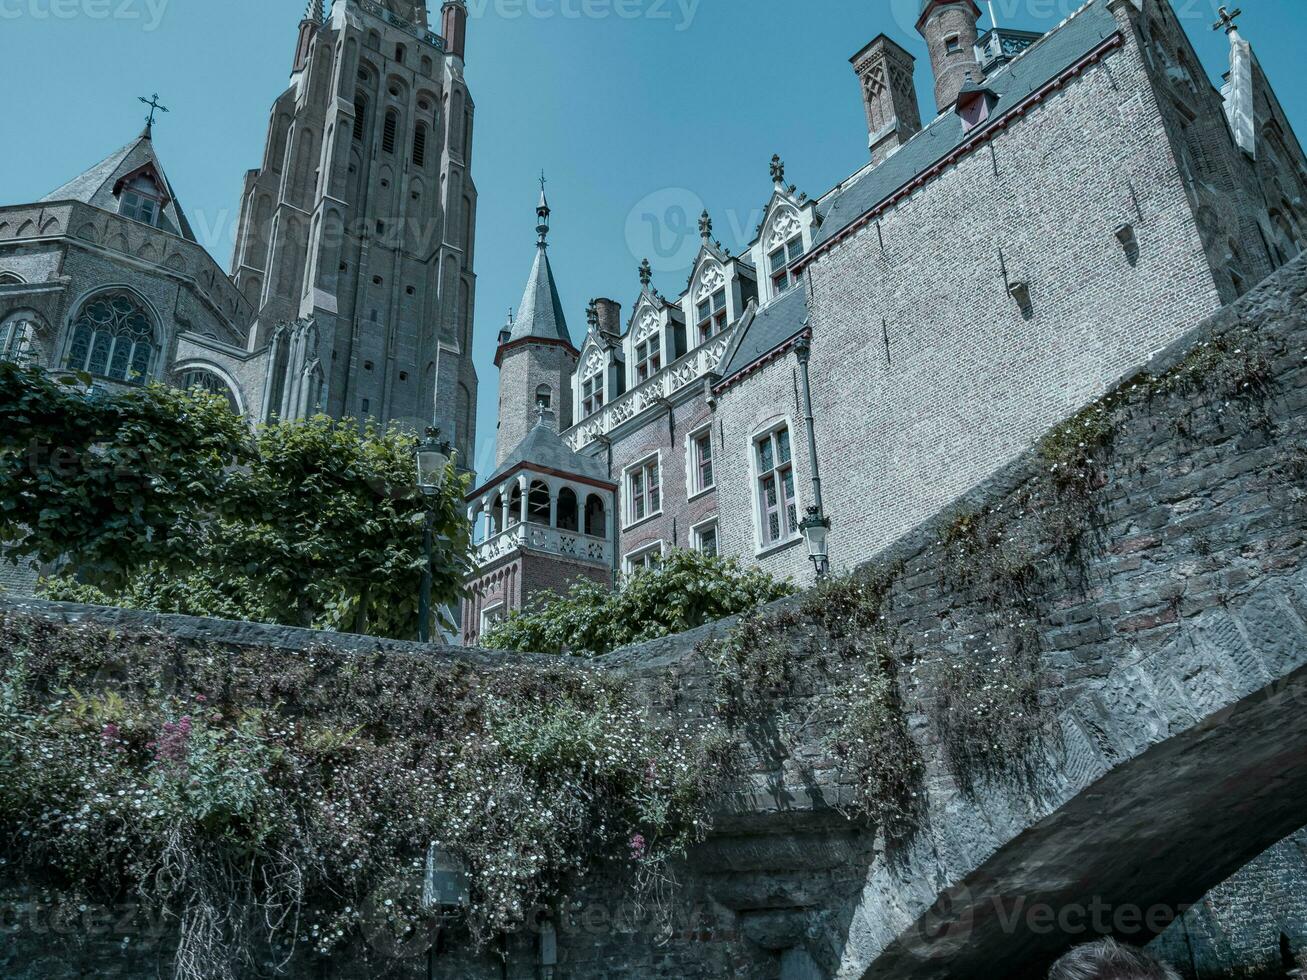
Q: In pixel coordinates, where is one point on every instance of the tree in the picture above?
(688, 590)
(164, 499)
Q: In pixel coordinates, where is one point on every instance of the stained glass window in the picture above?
(112, 338)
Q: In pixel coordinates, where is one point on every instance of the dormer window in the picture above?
(781, 260)
(592, 394)
(140, 200)
(712, 316)
(648, 359)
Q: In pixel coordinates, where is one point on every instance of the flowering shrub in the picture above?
(266, 803)
(688, 590)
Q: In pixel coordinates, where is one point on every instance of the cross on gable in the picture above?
(1227, 20)
(155, 106)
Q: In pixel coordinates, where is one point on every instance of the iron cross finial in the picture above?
(155, 106)
(1227, 21)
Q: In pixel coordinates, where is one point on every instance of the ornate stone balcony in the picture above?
(672, 379)
(549, 540)
(413, 30)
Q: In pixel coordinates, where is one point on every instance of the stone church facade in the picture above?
(352, 284)
(1080, 200)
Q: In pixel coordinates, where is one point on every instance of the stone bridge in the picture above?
(1154, 583)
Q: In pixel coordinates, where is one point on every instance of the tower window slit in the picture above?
(388, 134)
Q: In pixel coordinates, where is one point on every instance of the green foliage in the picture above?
(688, 590)
(116, 480)
(270, 802)
(163, 499)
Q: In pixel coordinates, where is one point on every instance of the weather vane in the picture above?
(155, 106)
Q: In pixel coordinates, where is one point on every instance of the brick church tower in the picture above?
(356, 236)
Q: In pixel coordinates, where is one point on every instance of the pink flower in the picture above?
(174, 744)
(639, 847)
(109, 734)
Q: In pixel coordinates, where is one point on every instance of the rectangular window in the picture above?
(648, 359)
(592, 395)
(781, 260)
(777, 505)
(701, 463)
(646, 560)
(712, 316)
(137, 207)
(643, 492)
(705, 539)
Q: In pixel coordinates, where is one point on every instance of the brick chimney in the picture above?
(453, 27)
(610, 316)
(889, 95)
(949, 27)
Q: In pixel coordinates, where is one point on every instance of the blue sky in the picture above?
(633, 107)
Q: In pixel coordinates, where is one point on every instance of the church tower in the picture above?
(536, 357)
(357, 232)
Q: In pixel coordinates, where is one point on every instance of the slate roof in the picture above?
(95, 186)
(541, 312)
(771, 326)
(543, 448)
(1035, 67)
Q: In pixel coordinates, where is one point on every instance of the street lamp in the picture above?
(432, 457)
(445, 891)
(815, 528)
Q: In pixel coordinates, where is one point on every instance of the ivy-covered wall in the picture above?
(1063, 652)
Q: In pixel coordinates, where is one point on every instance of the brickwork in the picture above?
(523, 369)
(929, 374)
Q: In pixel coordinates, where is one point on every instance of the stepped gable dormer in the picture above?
(130, 182)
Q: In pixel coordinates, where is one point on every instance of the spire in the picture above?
(313, 11)
(541, 313)
(542, 213)
(1238, 89)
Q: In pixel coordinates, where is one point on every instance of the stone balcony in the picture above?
(546, 540)
(413, 30)
(671, 380)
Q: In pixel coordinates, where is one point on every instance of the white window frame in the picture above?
(642, 553)
(593, 394)
(789, 251)
(710, 325)
(645, 367)
(629, 520)
(763, 542)
(693, 488)
(697, 531)
(499, 609)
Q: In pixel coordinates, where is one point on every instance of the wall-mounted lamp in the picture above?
(1125, 234)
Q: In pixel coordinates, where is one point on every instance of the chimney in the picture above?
(610, 317)
(889, 95)
(453, 27)
(949, 27)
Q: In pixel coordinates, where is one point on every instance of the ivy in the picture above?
(270, 803)
(688, 590)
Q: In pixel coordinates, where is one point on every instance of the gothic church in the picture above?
(352, 284)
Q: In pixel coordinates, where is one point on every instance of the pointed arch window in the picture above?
(420, 145)
(389, 131)
(17, 339)
(112, 337)
(360, 118)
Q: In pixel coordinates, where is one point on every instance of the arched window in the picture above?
(360, 117)
(497, 515)
(420, 145)
(400, 53)
(112, 337)
(210, 383)
(596, 522)
(10, 278)
(568, 510)
(515, 506)
(537, 503)
(18, 339)
(389, 131)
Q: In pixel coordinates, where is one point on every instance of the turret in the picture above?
(949, 27)
(453, 26)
